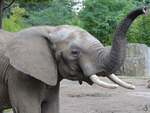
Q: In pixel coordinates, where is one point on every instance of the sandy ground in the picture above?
(75, 98)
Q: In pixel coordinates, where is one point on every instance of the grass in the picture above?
(136, 77)
(7, 110)
(143, 78)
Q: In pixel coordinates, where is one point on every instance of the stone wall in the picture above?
(136, 62)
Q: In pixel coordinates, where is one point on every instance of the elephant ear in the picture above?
(31, 54)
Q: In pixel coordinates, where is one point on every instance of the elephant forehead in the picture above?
(60, 34)
(32, 56)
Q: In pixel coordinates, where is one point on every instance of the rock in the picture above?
(148, 84)
(136, 62)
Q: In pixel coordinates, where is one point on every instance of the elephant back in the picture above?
(5, 37)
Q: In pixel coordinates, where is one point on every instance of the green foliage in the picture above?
(100, 17)
(18, 11)
(58, 12)
(132, 33)
(29, 1)
(15, 22)
(7, 110)
(141, 30)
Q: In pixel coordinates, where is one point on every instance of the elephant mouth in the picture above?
(73, 77)
(96, 80)
(77, 74)
(74, 72)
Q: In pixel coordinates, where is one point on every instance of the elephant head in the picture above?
(51, 53)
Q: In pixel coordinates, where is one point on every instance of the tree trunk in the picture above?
(1, 13)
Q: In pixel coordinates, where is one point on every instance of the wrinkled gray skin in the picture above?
(40, 57)
(5, 37)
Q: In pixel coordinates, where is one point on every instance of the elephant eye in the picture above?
(75, 53)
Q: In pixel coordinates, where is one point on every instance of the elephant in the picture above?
(38, 58)
(5, 37)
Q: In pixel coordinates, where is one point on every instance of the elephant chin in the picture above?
(95, 79)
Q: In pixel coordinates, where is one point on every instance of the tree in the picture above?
(100, 17)
(56, 13)
(2, 9)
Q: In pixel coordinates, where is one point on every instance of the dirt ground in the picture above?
(75, 98)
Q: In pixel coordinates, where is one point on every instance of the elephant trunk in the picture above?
(115, 58)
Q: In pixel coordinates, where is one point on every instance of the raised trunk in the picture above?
(114, 59)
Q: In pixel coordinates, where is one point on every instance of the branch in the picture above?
(9, 5)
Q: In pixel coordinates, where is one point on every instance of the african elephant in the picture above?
(5, 36)
(38, 58)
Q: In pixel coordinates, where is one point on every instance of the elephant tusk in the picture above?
(118, 81)
(97, 81)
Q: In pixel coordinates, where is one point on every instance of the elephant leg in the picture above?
(51, 103)
(24, 92)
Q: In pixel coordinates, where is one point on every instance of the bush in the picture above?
(15, 22)
(141, 30)
(100, 17)
(58, 12)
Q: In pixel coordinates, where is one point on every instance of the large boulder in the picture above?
(137, 61)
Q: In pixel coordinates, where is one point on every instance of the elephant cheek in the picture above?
(62, 69)
(88, 69)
